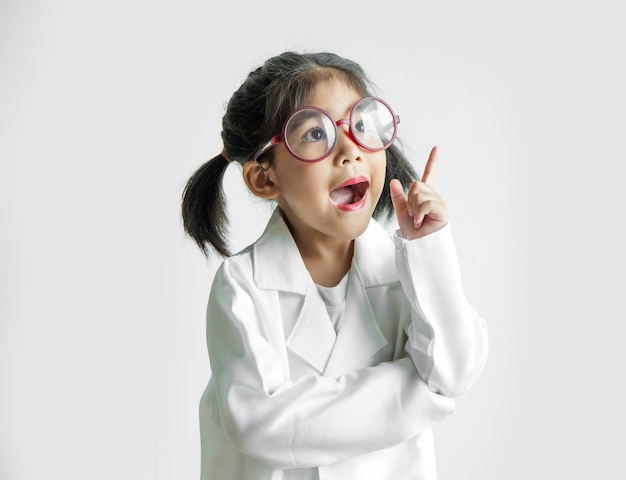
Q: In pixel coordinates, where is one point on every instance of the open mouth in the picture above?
(351, 194)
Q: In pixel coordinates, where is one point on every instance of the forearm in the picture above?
(319, 421)
(313, 420)
(447, 339)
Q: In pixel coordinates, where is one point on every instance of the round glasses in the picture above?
(310, 134)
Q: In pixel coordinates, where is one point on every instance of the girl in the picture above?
(333, 347)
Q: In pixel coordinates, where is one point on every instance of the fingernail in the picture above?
(410, 212)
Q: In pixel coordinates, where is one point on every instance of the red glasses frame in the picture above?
(344, 121)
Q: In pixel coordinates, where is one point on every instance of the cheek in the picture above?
(379, 174)
(297, 184)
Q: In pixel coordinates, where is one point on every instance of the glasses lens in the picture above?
(373, 124)
(310, 134)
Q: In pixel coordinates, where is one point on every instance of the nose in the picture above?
(347, 149)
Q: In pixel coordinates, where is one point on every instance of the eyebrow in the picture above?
(302, 116)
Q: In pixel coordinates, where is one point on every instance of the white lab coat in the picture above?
(290, 398)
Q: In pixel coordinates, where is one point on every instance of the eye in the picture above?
(359, 126)
(314, 135)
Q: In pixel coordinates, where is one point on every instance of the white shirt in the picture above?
(289, 393)
(335, 300)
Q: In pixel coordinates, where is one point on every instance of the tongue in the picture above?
(342, 196)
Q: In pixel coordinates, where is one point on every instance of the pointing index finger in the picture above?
(428, 176)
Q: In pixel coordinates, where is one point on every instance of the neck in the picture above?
(326, 258)
(328, 266)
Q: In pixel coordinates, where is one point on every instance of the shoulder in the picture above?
(242, 264)
(273, 262)
(234, 272)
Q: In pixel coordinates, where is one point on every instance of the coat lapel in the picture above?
(313, 337)
(359, 337)
(279, 266)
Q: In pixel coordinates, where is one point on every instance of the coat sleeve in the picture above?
(447, 339)
(312, 421)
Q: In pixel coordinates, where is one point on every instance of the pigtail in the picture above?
(204, 209)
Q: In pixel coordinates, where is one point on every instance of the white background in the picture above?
(106, 108)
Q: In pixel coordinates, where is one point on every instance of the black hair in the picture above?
(255, 113)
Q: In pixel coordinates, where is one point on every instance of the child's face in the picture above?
(333, 199)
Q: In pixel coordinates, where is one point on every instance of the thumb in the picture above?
(397, 198)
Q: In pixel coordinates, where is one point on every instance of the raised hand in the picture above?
(422, 211)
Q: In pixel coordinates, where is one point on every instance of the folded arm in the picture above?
(310, 421)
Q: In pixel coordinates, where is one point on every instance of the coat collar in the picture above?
(373, 254)
(278, 266)
(314, 339)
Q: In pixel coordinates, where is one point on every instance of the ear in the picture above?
(260, 181)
